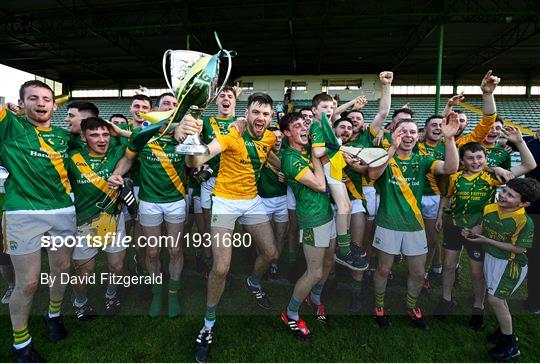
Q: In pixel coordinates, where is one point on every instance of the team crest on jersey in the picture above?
(12, 245)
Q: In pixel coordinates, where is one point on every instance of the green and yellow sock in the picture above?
(210, 316)
(410, 301)
(344, 244)
(157, 301)
(54, 308)
(172, 298)
(379, 299)
(21, 337)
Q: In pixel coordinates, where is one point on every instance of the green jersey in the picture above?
(321, 135)
(353, 179)
(469, 195)
(2, 202)
(432, 183)
(88, 175)
(400, 187)
(212, 126)
(497, 156)
(162, 170)
(35, 159)
(312, 207)
(192, 183)
(269, 185)
(515, 228)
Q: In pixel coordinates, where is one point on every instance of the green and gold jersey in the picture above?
(515, 228)
(88, 174)
(432, 184)
(312, 207)
(35, 159)
(497, 156)
(400, 187)
(242, 158)
(269, 185)
(213, 126)
(354, 180)
(161, 171)
(468, 196)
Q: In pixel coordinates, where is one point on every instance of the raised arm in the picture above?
(453, 101)
(358, 103)
(528, 163)
(386, 78)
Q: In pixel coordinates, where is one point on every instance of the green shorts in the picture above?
(319, 236)
(503, 277)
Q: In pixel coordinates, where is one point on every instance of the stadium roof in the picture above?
(119, 43)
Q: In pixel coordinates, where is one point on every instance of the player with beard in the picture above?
(37, 204)
(235, 198)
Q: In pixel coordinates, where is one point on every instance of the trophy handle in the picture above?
(229, 68)
(165, 56)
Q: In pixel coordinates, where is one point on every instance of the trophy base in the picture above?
(192, 149)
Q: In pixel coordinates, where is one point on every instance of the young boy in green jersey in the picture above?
(468, 191)
(88, 171)
(321, 135)
(305, 175)
(400, 226)
(505, 232)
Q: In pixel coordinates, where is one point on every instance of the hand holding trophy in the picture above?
(194, 81)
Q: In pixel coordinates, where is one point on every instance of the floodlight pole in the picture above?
(439, 69)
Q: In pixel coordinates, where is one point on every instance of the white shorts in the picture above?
(319, 236)
(23, 230)
(358, 206)
(127, 216)
(410, 243)
(85, 252)
(430, 206)
(291, 200)
(330, 180)
(372, 201)
(276, 208)
(225, 212)
(196, 200)
(500, 281)
(153, 214)
(207, 187)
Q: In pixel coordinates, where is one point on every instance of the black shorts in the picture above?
(453, 240)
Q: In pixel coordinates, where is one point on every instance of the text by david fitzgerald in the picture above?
(103, 278)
